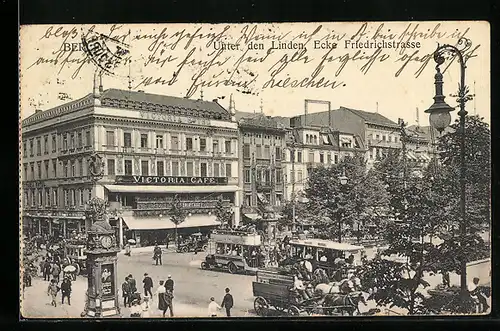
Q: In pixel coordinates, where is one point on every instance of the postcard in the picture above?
(255, 170)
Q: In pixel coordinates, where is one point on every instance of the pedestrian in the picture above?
(135, 309)
(213, 307)
(160, 292)
(446, 278)
(55, 271)
(169, 284)
(127, 249)
(66, 290)
(157, 254)
(52, 291)
(132, 287)
(148, 285)
(169, 297)
(46, 270)
(42, 265)
(167, 239)
(126, 292)
(145, 307)
(227, 302)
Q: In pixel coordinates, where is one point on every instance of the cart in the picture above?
(273, 289)
(74, 254)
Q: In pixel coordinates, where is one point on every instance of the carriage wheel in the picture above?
(261, 306)
(204, 265)
(293, 311)
(232, 268)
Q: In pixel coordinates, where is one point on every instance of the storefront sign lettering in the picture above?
(170, 180)
(160, 116)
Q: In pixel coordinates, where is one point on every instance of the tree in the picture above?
(177, 215)
(223, 213)
(359, 200)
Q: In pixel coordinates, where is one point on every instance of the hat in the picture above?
(169, 276)
(145, 274)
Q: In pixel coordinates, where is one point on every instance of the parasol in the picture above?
(131, 241)
(69, 268)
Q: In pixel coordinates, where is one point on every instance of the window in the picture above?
(46, 145)
(54, 168)
(144, 140)
(292, 177)
(160, 170)
(175, 143)
(278, 153)
(279, 199)
(54, 143)
(39, 170)
(189, 168)
(246, 151)
(72, 141)
(299, 156)
(321, 158)
(25, 152)
(127, 139)
(203, 169)
(46, 167)
(111, 167)
(88, 141)
(335, 159)
(189, 143)
(32, 173)
(376, 137)
(279, 176)
(383, 138)
(216, 170)
(54, 197)
(38, 146)
(66, 198)
(311, 156)
(73, 198)
(82, 199)
(159, 141)
(73, 169)
(110, 138)
(228, 170)
(203, 144)
(32, 151)
(128, 167)
(25, 173)
(145, 168)
(329, 158)
(175, 168)
(267, 176)
(65, 141)
(80, 167)
(247, 175)
(39, 202)
(215, 146)
(248, 199)
(227, 145)
(267, 152)
(80, 140)
(299, 176)
(307, 139)
(258, 151)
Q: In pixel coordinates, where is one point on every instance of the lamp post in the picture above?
(343, 181)
(440, 118)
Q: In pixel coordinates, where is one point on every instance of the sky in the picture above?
(395, 82)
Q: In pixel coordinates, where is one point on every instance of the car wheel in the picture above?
(232, 267)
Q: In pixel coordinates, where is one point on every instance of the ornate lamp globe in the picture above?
(439, 112)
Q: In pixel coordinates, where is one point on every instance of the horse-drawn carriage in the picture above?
(274, 289)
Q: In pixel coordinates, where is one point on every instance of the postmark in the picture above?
(105, 52)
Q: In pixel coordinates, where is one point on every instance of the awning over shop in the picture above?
(170, 189)
(156, 223)
(253, 217)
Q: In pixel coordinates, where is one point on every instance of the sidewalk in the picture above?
(149, 249)
(36, 304)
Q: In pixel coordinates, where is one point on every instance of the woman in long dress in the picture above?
(162, 303)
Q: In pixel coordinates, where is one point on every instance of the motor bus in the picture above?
(324, 253)
(236, 251)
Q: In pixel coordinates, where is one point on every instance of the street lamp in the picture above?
(439, 118)
(343, 181)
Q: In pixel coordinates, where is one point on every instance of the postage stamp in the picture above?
(255, 170)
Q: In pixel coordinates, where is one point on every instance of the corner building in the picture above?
(152, 148)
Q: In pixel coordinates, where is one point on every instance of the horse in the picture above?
(324, 289)
(345, 302)
(319, 277)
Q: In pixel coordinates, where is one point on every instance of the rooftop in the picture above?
(260, 121)
(370, 117)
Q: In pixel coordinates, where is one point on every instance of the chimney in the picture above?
(100, 84)
(141, 91)
(215, 100)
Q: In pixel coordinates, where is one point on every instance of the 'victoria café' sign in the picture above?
(170, 180)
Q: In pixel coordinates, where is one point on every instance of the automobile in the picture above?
(195, 242)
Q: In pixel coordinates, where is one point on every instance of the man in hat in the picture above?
(157, 254)
(227, 302)
(126, 292)
(148, 285)
(169, 284)
(66, 289)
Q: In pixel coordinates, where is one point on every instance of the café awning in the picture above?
(170, 189)
(163, 223)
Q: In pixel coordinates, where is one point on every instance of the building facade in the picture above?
(262, 142)
(311, 146)
(146, 148)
